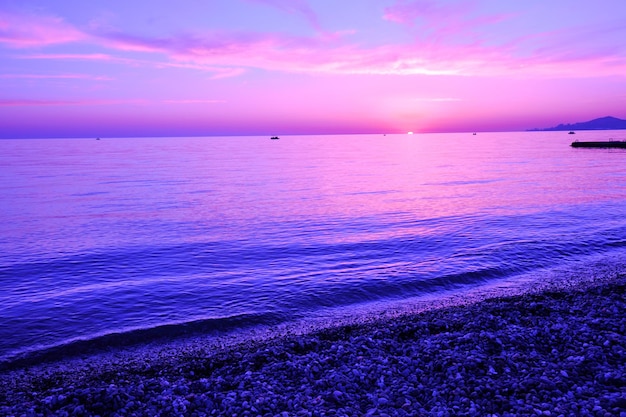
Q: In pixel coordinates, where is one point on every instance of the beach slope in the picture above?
(556, 352)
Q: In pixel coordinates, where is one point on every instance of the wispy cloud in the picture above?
(43, 102)
(89, 102)
(24, 102)
(58, 77)
(454, 46)
(557, 44)
(218, 72)
(236, 51)
(450, 23)
(407, 12)
(227, 73)
(25, 31)
(81, 57)
(459, 34)
(194, 101)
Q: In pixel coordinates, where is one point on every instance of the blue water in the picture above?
(153, 236)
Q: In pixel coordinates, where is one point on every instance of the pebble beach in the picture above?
(558, 351)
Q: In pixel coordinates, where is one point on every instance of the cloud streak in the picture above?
(29, 102)
(88, 102)
(233, 52)
(57, 77)
(80, 102)
(81, 57)
(27, 31)
(408, 12)
(459, 51)
(194, 101)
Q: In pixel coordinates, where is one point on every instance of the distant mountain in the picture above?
(603, 123)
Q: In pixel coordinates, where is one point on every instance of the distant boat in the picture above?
(274, 137)
(600, 144)
(571, 132)
(474, 133)
(97, 138)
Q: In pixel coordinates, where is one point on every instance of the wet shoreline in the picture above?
(558, 351)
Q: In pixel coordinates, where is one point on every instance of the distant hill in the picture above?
(603, 123)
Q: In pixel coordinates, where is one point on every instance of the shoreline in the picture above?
(140, 341)
(555, 350)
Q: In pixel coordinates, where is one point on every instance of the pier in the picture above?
(600, 144)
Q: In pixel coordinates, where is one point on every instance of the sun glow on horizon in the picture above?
(409, 65)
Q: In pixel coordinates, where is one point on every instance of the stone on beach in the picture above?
(559, 352)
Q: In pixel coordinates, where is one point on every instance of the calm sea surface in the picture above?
(157, 236)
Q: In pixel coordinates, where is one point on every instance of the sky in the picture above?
(105, 68)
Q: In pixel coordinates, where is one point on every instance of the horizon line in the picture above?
(410, 133)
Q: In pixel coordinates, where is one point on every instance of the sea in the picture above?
(120, 240)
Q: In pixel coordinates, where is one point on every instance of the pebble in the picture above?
(548, 354)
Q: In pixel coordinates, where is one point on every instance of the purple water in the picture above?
(161, 236)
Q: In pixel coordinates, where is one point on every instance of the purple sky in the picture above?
(260, 67)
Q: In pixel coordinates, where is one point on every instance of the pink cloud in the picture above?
(82, 57)
(96, 57)
(228, 54)
(127, 42)
(454, 46)
(218, 72)
(569, 52)
(227, 73)
(29, 102)
(406, 12)
(25, 31)
(194, 101)
(447, 24)
(58, 76)
(38, 103)
(457, 36)
(557, 45)
(18, 102)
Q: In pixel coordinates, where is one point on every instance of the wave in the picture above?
(270, 281)
(353, 301)
(131, 337)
